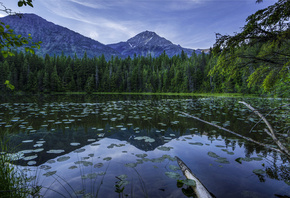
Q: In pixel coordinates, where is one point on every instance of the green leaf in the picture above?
(1, 28)
(5, 54)
(20, 3)
(179, 183)
(30, 4)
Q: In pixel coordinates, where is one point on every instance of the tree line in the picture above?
(31, 73)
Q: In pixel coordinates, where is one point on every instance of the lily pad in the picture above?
(259, 171)
(95, 144)
(91, 140)
(79, 150)
(45, 167)
(222, 160)
(98, 165)
(75, 144)
(55, 151)
(164, 148)
(49, 173)
(27, 141)
(107, 158)
(149, 140)
(172, 175)
(132, 165)
(212, 154)
(31, 163)
(38, 150)
(122, 177)
(174, 168)
(37, 145)
(189, 182)
(196, 143)
(62, 159)
(85, 163)
(141, 155)
(30, 157)
(90, 176)
(220, 146)
(51, 161)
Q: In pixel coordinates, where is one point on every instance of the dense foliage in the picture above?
(257, 60)
(31, 73)
(9, 39)
(261, 49)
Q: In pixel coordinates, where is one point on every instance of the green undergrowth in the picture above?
(13, 182)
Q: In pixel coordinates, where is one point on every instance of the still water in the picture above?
(124, 146)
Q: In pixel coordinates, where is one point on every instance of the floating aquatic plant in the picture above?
(85, 163)
(131, 165)
(212, 154)
(62, 159)
(259, 171)
(196, 143)
(56, 151)
(47, 174)
(173, 167)
(79, 150)
(164, 148)
(73, 167)
(75, 144)
(98, 165)
(107, 158)
(172, 175)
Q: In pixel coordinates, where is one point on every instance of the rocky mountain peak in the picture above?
(147, 38)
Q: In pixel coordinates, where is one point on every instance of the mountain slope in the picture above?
(146, 43)
(55, 38)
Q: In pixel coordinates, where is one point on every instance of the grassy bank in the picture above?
(162, 94)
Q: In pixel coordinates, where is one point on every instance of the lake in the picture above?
(125, 146)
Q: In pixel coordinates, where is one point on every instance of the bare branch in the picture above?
(271, 133)
(232, 132)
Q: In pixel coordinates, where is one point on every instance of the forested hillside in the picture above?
(34, 74)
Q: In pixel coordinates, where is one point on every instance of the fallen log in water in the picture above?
(232, 132)
(199, 189)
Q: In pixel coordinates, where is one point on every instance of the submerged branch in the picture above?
(271, 131)
(232, 132)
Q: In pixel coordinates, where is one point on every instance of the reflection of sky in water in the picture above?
(132, 129)
(228, 178)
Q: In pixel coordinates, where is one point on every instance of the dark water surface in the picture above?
(118, 146)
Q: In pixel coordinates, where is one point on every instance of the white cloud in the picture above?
(94, 5)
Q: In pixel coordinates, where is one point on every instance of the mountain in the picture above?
(55, 38)
(148, 42)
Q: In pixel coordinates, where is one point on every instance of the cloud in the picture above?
(95, 5)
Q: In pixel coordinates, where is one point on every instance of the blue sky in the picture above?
(190, 23)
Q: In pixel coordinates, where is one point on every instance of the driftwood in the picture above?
(200, 190)
(239, 135)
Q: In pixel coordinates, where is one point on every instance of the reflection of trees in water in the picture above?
(278, 168)
(164, 110)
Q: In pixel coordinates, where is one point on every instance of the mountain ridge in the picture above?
(57, 39)
(149, 43)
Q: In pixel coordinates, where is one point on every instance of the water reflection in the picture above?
(123, 147)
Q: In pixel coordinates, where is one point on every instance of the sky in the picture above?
(189, 23)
